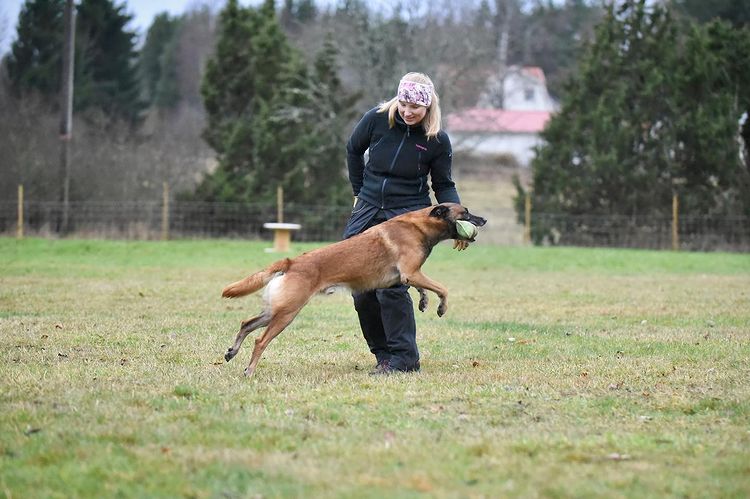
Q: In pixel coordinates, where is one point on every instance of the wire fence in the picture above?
(148, 220)
(181, 220)
(693, 233)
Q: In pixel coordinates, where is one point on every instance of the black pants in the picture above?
(386, 317)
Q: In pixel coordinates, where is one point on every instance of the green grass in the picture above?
(557, 372)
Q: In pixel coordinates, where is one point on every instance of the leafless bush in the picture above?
(110, 161)
(29, 146)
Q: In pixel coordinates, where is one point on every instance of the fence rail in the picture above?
(705, 233)
(146, 220)
(150, 220)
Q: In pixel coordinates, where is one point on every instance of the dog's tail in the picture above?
(256, 281)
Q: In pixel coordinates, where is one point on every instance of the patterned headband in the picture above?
(415, 93)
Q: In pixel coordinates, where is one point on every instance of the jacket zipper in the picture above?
(390, 169)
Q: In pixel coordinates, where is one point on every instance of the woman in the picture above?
(406, 145)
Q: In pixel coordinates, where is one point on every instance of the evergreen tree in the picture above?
(105, 75)
(168, 90)
(552, 37)
(736, 12)
(297, 12)
(157, 62)
(325, 126)
(381, 51)
(35, 59)
(306, 11)
(227, 85)
(638, 123)
(255, 92)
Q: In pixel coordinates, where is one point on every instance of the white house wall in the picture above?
(520, 145)
(526, 94)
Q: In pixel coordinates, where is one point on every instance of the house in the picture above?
(510, 114)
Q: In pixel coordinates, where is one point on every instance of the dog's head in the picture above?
(452, 213)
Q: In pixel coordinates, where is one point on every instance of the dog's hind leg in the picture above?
(278, 323)
(246, 328)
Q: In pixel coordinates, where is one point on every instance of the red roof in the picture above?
(497, 120)
(534, 72)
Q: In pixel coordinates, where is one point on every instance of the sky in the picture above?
(143, 12)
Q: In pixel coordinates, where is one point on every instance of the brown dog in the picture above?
(387, 254)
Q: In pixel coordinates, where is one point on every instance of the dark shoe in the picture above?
(383, 367)
(414, 368)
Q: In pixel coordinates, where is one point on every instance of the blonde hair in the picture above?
(431, 121)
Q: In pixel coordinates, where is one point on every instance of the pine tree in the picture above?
(551, 37)
(322, 111)
(254, 92)
(736, 12)
(157, 62)
(227, 85)
(296, 13)
(652, 111)
(35, 59)
(106, 73)
(713, 102)
(307, 11)
(334, 110)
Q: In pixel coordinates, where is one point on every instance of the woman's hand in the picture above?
(460, 244)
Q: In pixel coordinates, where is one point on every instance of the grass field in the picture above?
(556, 372)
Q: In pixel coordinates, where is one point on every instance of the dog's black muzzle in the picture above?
(475, 220)
(478, 221)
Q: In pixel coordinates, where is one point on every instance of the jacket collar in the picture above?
(407, 128)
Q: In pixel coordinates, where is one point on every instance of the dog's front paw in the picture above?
(229, 355)
(423, 301)
(442, 309)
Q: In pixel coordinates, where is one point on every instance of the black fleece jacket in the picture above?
(400, 160)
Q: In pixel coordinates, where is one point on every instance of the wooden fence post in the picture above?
(19, 227)
(527, 219)
(280, 204)
(165, 212)
(675, 222)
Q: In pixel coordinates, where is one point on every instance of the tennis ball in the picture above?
(466, 230)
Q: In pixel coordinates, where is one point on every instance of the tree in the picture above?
(325, 124)
(106, 74)
(156, 62)
(226, 86)
(552, 36)
(736, 12)
(194, 45)
(257, 97)
(35, 59)
(297, 12)
(639, 124)
(104, 61)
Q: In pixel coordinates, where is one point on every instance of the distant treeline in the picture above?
(226, 106)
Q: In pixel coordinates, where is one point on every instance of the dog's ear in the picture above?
(439, 211)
